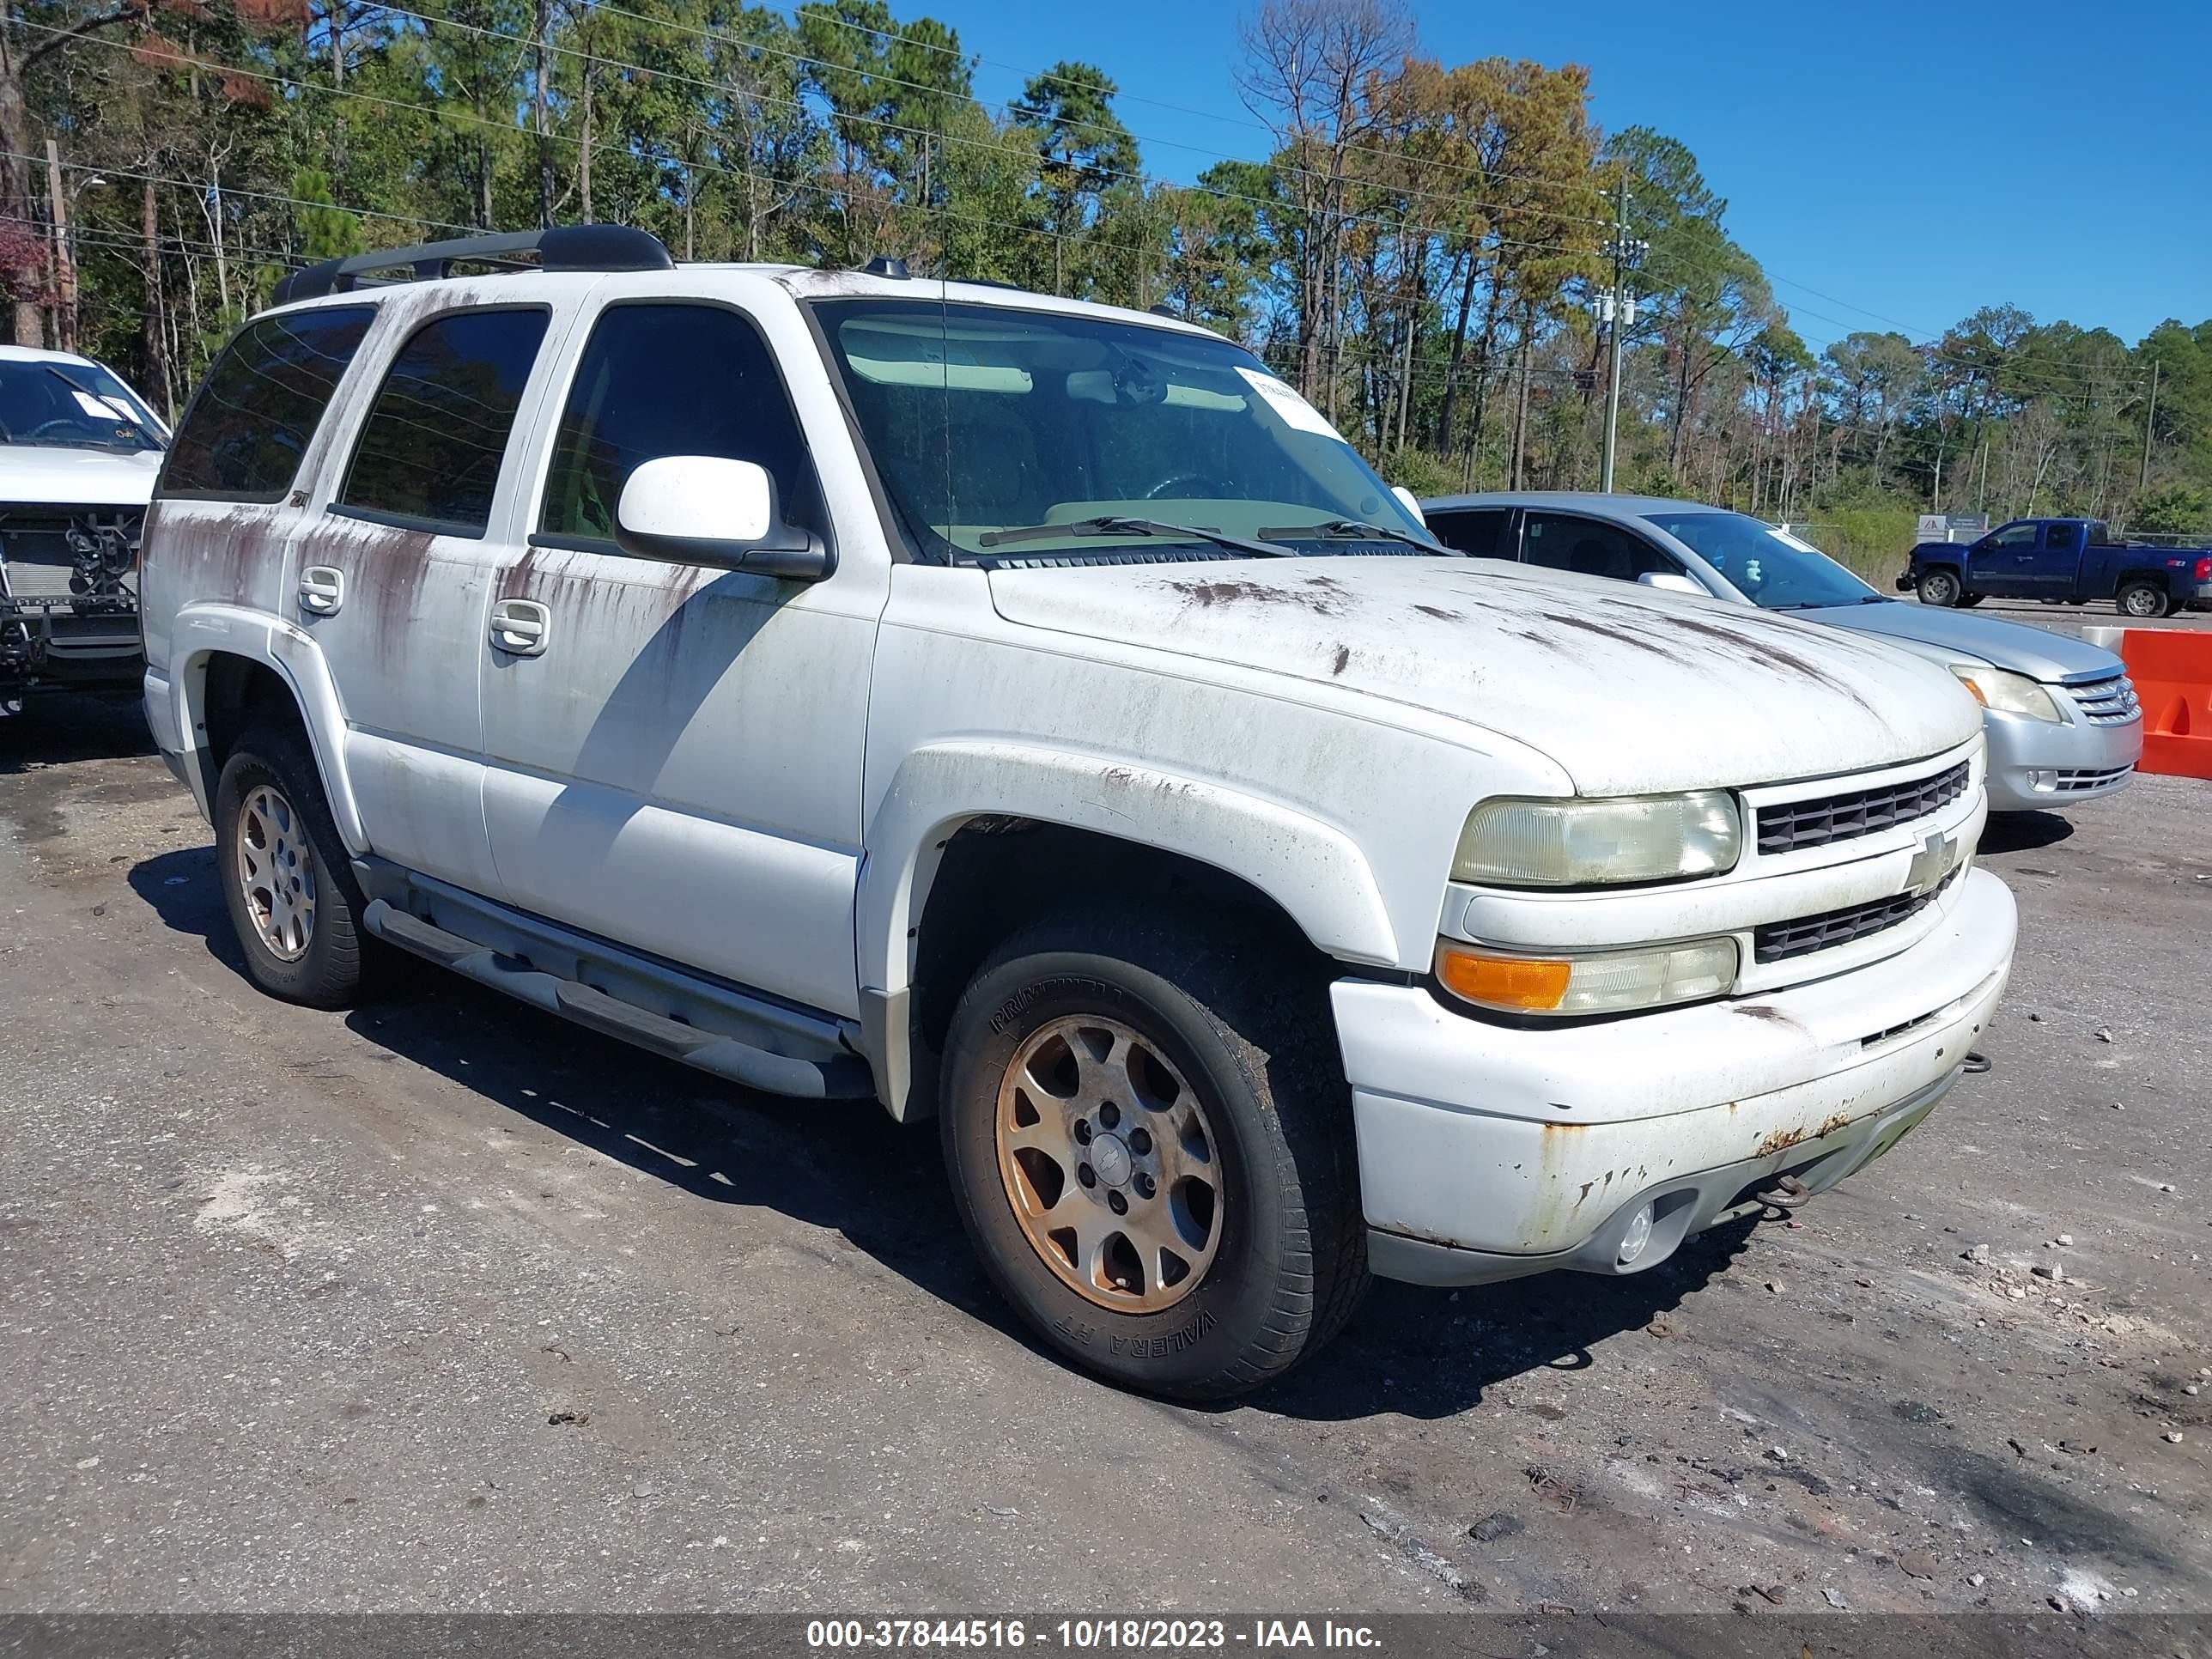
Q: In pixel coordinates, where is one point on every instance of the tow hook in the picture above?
(1786, 1194)
(1976, 1063)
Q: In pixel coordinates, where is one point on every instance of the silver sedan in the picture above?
(2062, 716)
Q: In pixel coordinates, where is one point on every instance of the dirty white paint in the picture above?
(754, 778)
(1525, 1141)
(1630, 689)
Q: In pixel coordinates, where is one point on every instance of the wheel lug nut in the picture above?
(1139, 1142)
(1086, 1175)
(1118, 1203)
(1145, 1185)
(1109, 1114)
(1082, 1132)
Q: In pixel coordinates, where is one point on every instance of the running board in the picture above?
(827, 1074)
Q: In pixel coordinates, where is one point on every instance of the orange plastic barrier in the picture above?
(2172, 672)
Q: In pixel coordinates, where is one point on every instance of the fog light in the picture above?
(2043, 781)
(1637, 1236)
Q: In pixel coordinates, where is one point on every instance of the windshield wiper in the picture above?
(1351, 530)
(1110, 525)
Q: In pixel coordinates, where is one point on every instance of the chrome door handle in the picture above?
(519, 627)
(322, 590)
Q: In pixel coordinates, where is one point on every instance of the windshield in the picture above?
(1770, 567)
(985, 419)
(72, 406)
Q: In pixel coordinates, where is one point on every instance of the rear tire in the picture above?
(287, 880)
(1938, 587)
(2146, 600)
(1093, 1028)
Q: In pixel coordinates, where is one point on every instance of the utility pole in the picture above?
(1618, 311)
(2143, 478)
(64, 265)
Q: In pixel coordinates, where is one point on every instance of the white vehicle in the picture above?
(858, 686)
(79, 452)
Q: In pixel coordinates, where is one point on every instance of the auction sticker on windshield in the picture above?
(1283, 399)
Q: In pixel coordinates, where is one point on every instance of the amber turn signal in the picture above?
(1524, 983)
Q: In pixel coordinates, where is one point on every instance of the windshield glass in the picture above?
(983, 419)
(1770, 567)
(72, 406)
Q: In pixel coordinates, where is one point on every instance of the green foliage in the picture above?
(2176, 509)
(1418, 248)
(326, 231)
(1872, 538)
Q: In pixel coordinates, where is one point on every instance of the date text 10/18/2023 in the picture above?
(1087, 1634)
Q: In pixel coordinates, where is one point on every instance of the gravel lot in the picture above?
(443, 1304)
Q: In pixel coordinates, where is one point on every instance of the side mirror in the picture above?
(710, 510)
(1411, 503)
(1669, 581)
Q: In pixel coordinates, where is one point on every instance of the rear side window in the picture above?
(1473, 531)
(1590, 548)
(250, 423)
(670, 379)
(429, 453)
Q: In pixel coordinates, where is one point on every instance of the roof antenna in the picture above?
(883, 265)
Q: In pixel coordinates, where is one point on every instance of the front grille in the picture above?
(2110, 702)
(1787, 826)
(1780, 940)
(2073, 782)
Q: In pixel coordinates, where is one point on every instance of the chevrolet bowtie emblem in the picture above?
(1930, 864)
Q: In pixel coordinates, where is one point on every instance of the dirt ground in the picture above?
(443, 1304)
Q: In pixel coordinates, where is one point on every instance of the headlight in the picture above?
(2008, 693)
(1611, 983)
(1577, 843)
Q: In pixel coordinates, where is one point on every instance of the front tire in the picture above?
(1150, 1148)
(287, 880)
(2142, 599)
(1938, 587)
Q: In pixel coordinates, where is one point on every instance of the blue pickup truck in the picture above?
(2061, 561)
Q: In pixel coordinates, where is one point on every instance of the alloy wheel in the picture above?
(277, 872)
(1110, 1164)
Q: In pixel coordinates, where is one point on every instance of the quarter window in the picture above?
(670, 379)
(430, 452)
(243, 437)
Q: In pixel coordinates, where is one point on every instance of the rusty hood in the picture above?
(1627, 689)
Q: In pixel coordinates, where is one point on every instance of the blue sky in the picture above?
(1913, 159)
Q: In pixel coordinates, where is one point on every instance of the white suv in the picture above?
(855, 685)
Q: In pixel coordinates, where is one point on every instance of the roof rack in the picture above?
(561, 247)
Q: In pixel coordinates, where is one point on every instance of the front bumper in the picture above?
(2048, 765)
(1489, 1151)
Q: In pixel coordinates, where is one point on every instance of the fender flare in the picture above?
(1314, 870)
(203, 631)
